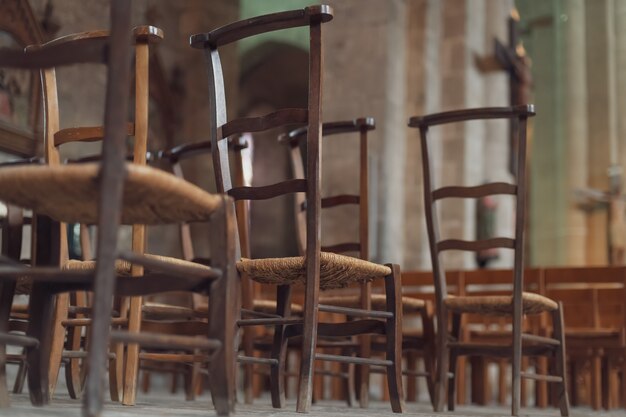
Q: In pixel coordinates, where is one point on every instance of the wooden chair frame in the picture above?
(114, 48)
(449, 346)
(285, 325)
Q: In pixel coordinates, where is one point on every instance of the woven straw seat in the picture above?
(379, 302)
(123, 267)
(70, 193)
(262, 306)
(499, 304)
(336, 271)
(24, 284)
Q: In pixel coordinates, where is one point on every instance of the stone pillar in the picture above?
(598, 113)
(575, 125)
(392, 156)
(422, 67)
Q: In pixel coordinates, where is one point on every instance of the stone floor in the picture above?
(175, 405)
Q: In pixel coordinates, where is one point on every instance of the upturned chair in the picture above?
(365, 297)
(106, 194)
(520, 303)
(317, 270)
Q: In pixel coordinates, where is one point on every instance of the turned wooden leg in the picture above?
(393, 292)
(279, 348)
(559, 333)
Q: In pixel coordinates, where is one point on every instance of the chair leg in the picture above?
(606, 382)
(131, 360)
(307, 361)
(365, 351)
(116, 372)
(411, 381)
(72, 366)
(20, 378)
(58, 340)
(559, 332)
(429, 356)
(73, 374)
(224, 310)
(456, 327)
(7, 290)
(393, 292)
(443, 358)
(279, 348)
(40, 311)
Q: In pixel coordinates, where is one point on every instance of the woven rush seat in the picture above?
(123, 267)
(262, 306)
(499, 304)
(336, 271)
(379, 302)
(70, 193)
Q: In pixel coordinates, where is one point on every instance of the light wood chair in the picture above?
(520, 303)
(106, 194)
(421, 341)
(316, 270)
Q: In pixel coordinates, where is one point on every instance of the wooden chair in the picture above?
(594, 325)
(131, 194)
(520, 303)
(316, 270)
(410, 305)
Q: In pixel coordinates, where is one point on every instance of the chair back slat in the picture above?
(343, 247)
(268, 191)
(475, 192)
(475, 245)
(282, 117)
(340, 200)
(85, 134)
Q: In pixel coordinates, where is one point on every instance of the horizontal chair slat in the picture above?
(86, 134)
(472, 114)
(477, 245)
(278, 118)
(161, 341)
(341, 199)
(474, 192)
(354, 312)
(259, 361)
(331, 128)
(343, 247)
(261, 24)
(268, 191)
(353, 359)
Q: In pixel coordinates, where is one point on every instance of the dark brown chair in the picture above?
(420, 341)
(316, 270)
(520, 303)
(106, 194)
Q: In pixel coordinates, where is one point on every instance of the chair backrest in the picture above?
(221, 129)
(294, 140)
(518, 115)
(54, 136)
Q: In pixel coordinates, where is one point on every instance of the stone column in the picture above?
(391, 193)
(599, 122)
(575, 125)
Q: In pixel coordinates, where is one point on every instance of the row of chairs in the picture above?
(113, 191)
